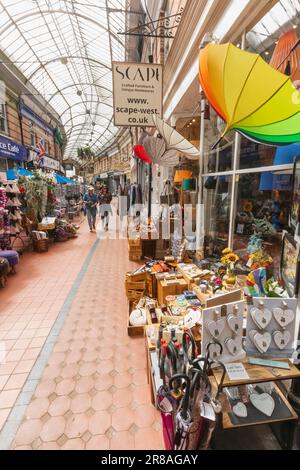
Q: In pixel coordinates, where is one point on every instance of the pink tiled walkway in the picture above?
(93, 393)
(29, 305)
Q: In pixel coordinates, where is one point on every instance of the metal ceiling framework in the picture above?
(65, 49)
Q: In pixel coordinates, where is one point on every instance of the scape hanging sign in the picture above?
(138, 93)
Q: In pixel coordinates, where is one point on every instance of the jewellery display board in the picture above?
(224, 325)
(271, 326)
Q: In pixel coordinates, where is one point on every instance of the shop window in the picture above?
(217, 198)
(263, 203)
(3, 119)
(33, 139)
(254, 155)
(221, 158)
(3, 164)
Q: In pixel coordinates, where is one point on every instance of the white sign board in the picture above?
(138, 93)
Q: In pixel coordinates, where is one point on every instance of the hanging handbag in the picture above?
(167, 196)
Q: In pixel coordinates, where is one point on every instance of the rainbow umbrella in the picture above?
(250, 96)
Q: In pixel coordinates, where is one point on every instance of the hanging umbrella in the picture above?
(286, 57)
(249, 95)
(175, 141)
(156, 149)
(141, 153)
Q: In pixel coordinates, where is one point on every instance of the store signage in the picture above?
(12, 150)
(47, 162)
(138, 93)
(30, 114)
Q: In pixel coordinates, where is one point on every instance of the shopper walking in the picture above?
(90, 203)
(105, 199)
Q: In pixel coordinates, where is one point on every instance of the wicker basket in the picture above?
(41, 246)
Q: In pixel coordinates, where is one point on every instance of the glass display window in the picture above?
(217, 200)
(262, 208)
(221, 158)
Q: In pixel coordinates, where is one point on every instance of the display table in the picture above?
(283, 420)
(259, 374)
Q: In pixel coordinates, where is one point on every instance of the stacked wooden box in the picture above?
(135, 249)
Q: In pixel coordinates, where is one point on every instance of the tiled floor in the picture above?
(93, 393)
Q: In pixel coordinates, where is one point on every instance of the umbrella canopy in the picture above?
(250, 96)
(175, 141)
(156, 149)
(286, 57)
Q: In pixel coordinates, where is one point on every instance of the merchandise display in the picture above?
(150, 227)
(271, 327)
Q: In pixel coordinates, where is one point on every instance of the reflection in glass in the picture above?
(217, 197)
(263, 201)
(219, 159)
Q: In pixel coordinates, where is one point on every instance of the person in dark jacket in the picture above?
(90, 205)
(105, 199)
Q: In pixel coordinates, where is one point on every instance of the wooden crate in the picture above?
(135, 290)
(135, 257)
(165, 288)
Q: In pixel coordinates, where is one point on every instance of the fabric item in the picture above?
(141, 153)
(285, 57)
(135, 194)
(258, 101)
(11, 256)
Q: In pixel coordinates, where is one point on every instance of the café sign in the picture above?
(12, 150)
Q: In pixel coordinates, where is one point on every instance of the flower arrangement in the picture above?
(273, 289)
(259, 259)
(229, 258)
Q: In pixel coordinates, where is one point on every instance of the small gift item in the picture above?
(234, 345)
(215, 328)
(138, 317)
(261, 341)
(240, 410)
(282, 339)
(235, 321)
(263, 402)
(261, 316)
(284, 316)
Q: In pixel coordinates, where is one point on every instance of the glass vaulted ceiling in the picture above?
(65, 49)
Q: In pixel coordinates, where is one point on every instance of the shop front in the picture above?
(11, 153)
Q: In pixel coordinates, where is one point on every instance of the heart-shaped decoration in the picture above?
(235, 322)
(261, 317)
(283, 317)
(214, 351)
(281, 339)
(234, 345)
(263, 403)
(261, 341)
(240, 410)
(216, 328)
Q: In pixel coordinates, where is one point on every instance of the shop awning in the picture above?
(63, 180)
(14, 174)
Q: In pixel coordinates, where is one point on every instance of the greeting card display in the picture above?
(271, 324)
(224, 325)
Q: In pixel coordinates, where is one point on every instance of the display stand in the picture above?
(282, 425)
